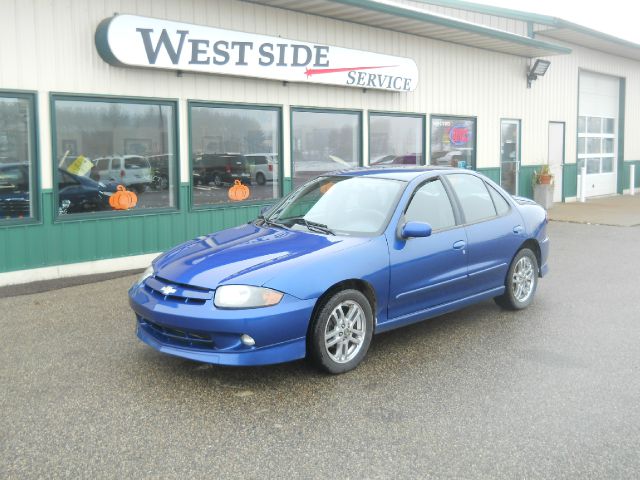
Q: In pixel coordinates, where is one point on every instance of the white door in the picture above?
(556, 157)
(598, 133)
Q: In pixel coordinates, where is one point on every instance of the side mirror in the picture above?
(416, 229)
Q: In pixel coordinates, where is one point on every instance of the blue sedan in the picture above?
(345, 256)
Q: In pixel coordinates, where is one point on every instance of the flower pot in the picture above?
(545, 179)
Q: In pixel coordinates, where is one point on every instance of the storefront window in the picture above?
(17, 157)
(104, 145)
(395, 139)
(453, 142)
(236, 153)
(324, 141)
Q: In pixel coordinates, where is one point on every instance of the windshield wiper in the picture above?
(266, 221)
(313, 226)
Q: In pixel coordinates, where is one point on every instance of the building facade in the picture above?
(211, 109)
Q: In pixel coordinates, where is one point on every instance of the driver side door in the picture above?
(430, 271)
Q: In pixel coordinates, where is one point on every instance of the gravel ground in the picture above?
(551, 392)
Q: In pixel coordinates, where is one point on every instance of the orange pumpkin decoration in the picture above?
(123, 199)
(238, 192)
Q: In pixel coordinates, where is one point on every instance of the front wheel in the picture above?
(521, 283)
(341, 332)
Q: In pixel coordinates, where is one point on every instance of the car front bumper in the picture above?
(200, 331)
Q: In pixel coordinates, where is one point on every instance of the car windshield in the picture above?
(340, 205)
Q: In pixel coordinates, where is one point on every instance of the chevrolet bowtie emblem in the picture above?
(168, 290)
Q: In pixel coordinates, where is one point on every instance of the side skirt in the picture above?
(437, 310)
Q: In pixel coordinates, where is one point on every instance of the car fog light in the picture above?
(247, 340)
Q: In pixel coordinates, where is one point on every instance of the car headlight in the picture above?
(245, 296)
(146, 274)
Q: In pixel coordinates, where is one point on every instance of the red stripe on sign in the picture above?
(315, 71)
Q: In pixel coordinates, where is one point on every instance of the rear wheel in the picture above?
(521, 283)
(341, 332)
(260, 178)
(217, 180)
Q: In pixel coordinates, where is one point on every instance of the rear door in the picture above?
(426, 272)
(494, 230)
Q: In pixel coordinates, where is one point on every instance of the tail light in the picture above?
(270, 168)
(121, 173)
(228, 169)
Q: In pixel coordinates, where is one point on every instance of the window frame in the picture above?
(457, 117)
(35, 190)
(463, 216)
(453, 200)
(381, 113)
(294, 109)
(234, 106)
(82, 97)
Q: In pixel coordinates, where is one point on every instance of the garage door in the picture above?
(598, 133)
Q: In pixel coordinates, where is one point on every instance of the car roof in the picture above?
(405, 174)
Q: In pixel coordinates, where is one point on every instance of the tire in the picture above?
(331, 342)
(260, 178)
(521, 281)
(217, 180)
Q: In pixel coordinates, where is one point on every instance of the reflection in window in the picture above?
(474, 198)
(582, 124)
(101, 144)
(234, 144)
(607, 165)
(323, 142)
(16, 156)
(593, 165)
(395, 140)
(431, 204)
(453, 142)
(594, 125)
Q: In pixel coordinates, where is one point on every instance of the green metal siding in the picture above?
(64, 242)
(525, 180)
(569, 180)
(492, 173)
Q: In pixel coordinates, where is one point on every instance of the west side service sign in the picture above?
(133, 41)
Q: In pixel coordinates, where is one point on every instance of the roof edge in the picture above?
(453, 23)
(495, 11)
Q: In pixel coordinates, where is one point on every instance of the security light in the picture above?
(538, 70)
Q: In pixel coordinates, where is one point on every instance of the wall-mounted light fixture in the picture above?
(538, 70)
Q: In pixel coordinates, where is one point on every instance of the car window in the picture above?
(502, 206)
(12, 179)
(115, 164)
(474, 197)
(103, 164)
(135, 162)
(66, 180)
(431, 204)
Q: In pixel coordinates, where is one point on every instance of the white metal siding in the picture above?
(49, 47)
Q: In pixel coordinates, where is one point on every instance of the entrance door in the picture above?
(598, 133)
(556, 157)
(509, 155)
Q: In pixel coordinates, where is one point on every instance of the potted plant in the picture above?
(543, 187)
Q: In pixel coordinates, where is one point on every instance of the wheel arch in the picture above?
(362, 286)
(533, 245)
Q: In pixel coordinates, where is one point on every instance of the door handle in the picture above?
(518, 229)
(459, 245)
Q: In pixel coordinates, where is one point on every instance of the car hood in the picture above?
(248, 254)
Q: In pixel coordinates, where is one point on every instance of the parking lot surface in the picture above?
(550, 392)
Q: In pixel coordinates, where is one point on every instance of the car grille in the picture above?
(175, 336)
(175, 292)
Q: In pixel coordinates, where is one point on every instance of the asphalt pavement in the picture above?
(550, 392)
